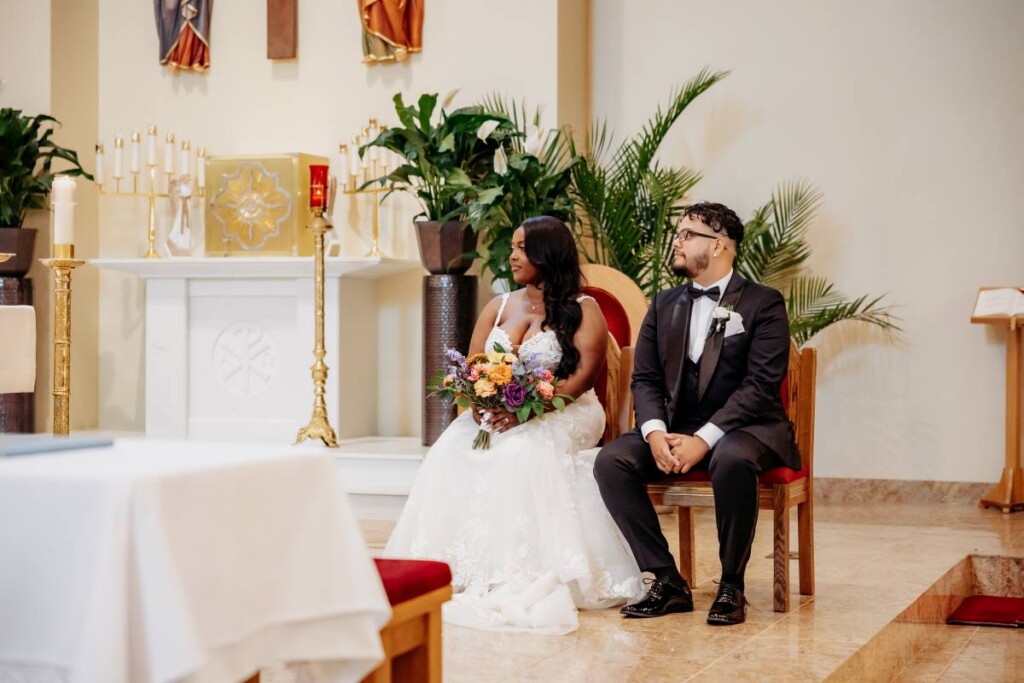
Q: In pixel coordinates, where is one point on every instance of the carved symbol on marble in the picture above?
(245, 357)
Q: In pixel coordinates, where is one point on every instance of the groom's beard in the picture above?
(693, 267)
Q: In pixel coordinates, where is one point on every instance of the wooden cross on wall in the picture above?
(282, 29)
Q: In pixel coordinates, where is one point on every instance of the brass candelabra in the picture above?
(357, 171)
(152, 193)
(62, 263)
(319, 426)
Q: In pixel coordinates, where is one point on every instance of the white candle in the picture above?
(118, 157)
(186, 157)
(98, 175)
(343, 164)
(151, 147)
(169, 154)
(136, 150)
(201, 168)
(353, 158)
(63, 199)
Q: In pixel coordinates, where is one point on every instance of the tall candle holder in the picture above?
(62, 262)
(357, 171)
(151, 164)
(319, 426)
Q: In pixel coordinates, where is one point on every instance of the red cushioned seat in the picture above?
(406, 579)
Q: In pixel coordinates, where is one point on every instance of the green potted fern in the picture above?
(27, 152)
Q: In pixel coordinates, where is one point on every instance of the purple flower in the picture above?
(515, 395)
(454, 357)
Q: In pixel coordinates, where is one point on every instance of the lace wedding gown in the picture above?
(522, 524)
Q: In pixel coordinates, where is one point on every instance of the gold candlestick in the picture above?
(369, 168)
(62, 263)
(152, 194)
(319, 426)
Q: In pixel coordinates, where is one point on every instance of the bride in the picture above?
(522, 524)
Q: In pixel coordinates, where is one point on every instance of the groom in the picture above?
(709, 364)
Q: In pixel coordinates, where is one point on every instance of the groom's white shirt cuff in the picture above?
(709, 432)
(652, 426)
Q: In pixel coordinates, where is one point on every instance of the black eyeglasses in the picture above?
(686, 234)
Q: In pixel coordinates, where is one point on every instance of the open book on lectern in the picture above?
(1005, 302)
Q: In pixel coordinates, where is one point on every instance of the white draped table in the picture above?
(182, 561)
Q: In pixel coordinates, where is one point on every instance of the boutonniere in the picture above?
(719, 317)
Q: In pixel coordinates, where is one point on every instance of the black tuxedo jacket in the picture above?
(740, 376)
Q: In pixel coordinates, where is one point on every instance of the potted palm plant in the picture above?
(447, 158)
(629, 203)
(27, 152)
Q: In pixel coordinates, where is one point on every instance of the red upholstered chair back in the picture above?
(608, 385)
(614, 314)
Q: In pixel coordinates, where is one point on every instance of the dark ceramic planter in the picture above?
(442, 246)
(22, 243)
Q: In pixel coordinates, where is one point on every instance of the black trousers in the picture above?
(625, 467)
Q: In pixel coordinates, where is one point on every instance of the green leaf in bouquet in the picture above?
(558, 403)
(523, 413)
(538, 410)
(462, 402)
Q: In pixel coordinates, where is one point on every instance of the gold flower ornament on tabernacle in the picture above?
(251, 206)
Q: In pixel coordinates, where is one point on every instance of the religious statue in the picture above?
(391, 29)
(183, 27)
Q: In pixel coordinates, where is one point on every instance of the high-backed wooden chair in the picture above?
(624, 306)
(780, 488)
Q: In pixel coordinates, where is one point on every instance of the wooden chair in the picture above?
(613, 394)
(780, 488)
(626, 292)
(416, 590)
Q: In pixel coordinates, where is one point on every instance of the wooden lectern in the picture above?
(1008, 494)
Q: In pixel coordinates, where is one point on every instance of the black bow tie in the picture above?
(698, 293)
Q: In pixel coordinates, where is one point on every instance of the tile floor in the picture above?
(873, 561)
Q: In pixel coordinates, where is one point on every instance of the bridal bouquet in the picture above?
(497, 380)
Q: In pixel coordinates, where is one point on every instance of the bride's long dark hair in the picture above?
(550, 247)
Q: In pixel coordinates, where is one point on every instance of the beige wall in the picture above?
(25, 55)
(248, 104)
(908, 116)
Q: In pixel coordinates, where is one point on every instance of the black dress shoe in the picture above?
(662, 598)
(729, 607)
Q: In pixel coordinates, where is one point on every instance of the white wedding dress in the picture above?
(521, 524)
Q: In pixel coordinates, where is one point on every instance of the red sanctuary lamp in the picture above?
(318, 187)
(319, 426)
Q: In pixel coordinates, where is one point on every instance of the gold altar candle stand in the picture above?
(62, 263)
(151, 194)
(319, 426)
(1008, 494)
(361, 173)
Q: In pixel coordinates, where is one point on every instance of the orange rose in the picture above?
(484, 388)
(500, 374)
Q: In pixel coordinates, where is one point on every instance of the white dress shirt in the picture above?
(700, 323)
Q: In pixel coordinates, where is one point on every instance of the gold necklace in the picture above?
(533, 306)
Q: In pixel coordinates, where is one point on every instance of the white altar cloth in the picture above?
(174, 561)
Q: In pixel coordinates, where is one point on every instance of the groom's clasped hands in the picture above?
(677, 453)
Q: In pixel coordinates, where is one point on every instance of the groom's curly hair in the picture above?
(718, 217)
(550, 247)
